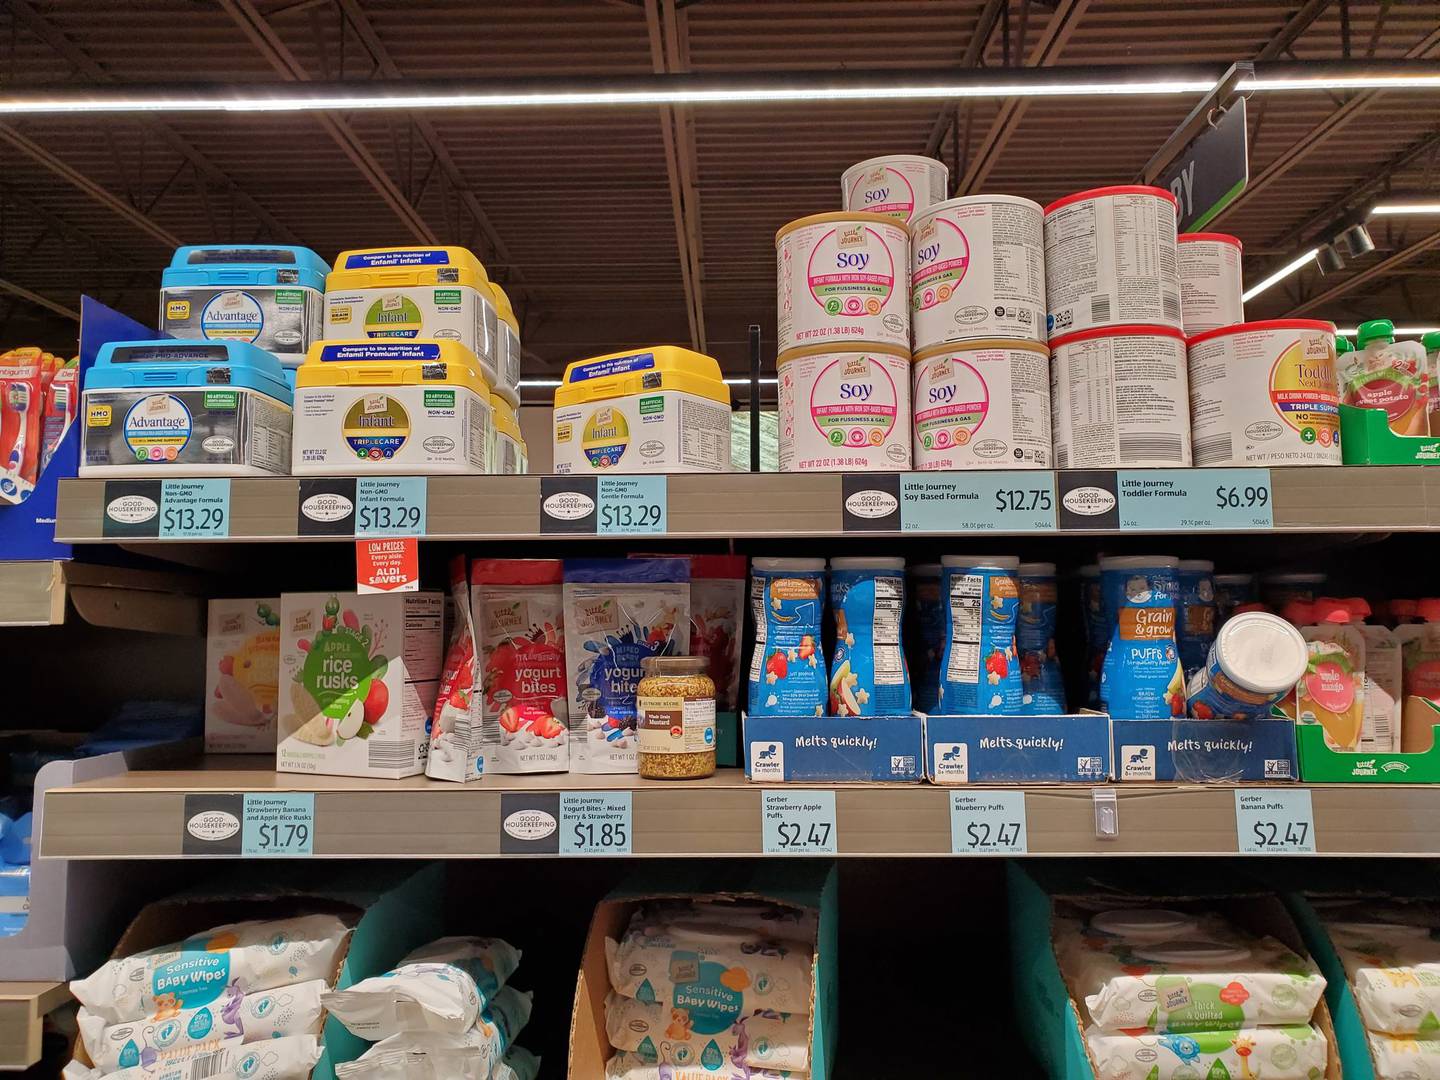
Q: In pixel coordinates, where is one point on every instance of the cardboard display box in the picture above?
(1205, 751)
(1366, 439)
(1068, 749)
(834, 749)
(1321, 765)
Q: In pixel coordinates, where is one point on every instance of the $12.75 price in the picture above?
(1023, 499)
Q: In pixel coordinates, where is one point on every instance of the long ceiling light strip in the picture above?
(1407, 208)
(1280, 275)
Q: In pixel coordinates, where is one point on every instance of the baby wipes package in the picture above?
(471, 1054)
(1141, 677)
(242, 676)
(618, 612)
(981, 667)
(868, 675)
(1394, 972)
(1405, 1059)
(631, 1067)
(1042, 686)
(787, 668)
(288, 1058)
(659, 1034)
(1298, 1052)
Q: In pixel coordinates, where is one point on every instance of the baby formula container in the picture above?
(440, 293)
(925, 639)
(983, 405)
(1232, 590)
(1278, 589)
(1119, 397)
(787, 671)
(1265, 394)
(843, 277)
(1097, 631)
(1195, 613)
(843, 409)
(663, 410)
(868, 675)
(507, 456)
(409, 407)
(977, 270)
(1141, 677)
(1383, 373)
(1210, 281)
(900, 186)
(269, 295)
(981, 668)
(509, 357)
(185, 408)
(1110, 259)
(1042, 687)
(1254, 663)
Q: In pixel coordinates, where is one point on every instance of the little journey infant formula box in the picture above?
(412, 407)
(660, 411)
(267, 294)
(185, 408)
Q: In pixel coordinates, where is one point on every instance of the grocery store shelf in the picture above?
(23, 1007)
(36, 594)
(143, 815)
(32, 593)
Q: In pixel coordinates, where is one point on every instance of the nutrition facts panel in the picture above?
(964, 663)
(889, 601)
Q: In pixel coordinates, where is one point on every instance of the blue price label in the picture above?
(390, 506)
(1184, 499)
(278, 824)
(630, 505)
(194, 509)
(952, 502)
(595, 823)
(798, 823)
(1272, 821)
(988, 823)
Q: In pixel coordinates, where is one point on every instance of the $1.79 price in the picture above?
(290, 837)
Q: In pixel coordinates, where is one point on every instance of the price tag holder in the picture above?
(276, 825)
(1006, 502)
(1273, 821)
(1188, 499)
(390, 506)
(595, 823)
(988, 823)
(798, 823)
(194, 509)
(631, 505)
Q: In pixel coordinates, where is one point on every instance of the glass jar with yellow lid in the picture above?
(675, 712)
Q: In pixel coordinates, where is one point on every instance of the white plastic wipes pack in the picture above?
(1405, 1059)
(1274, 1053)
(288, 1058)
(661, 1034)
(629, 1067)
(441, 1064)
(489, 961)
(469, 1055)
(1395, 974)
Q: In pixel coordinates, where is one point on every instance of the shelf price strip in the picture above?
(604, 505)
(1007, 502)
(988, 823)
(798, 823)
(390, 506)
(1175, 499)
(177, 509)
(1271, 821)
(254, 825)
(595, 823)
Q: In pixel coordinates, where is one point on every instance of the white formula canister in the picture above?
(1110, 260)
(1265, 393)
(977, 270)
(898, 185)
(844, 409)
(1120, 399)
(1210, 282)
(843, 278)
(983, 405)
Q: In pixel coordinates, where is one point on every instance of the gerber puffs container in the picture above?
(269, 295)
(660, 411)
(185, 408)
(439, 294)
(412, 407)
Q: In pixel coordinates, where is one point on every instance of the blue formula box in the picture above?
(834, 749)
(1205, 751)
(1073, 748)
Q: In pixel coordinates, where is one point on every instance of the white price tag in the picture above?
(1274, 821)
(988, 823)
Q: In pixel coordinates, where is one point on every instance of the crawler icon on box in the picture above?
(1137, 763)
(767, 761)
(952, 762)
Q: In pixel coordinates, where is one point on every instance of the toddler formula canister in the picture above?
(1042, 687)
(1097, 630)
(787, 670)
(1265, 394)
(507, 347)
(267, 294)
(925, 636)
(1110, 259)
(1279, 589)
(408, 407)
(1232, 590)
(438, 293)
(1255, 662)
(1141, 677)
(900, 186)
(507, 455)
(1210, 282)
(662, 410)
(1195, 621)
(977, 270)
(185, 408)
(868, 675)
(1119, 398)
(981, 670)
(983, 405)
(843, 277)
(844, 410)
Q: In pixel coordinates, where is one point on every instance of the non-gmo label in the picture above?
(439, 399)
(631, 505)
(194, 509)
(651, 405)
(390, 506)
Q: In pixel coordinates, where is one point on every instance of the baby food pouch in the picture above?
(1420, 677)
(1383, 373)
(1331, 692)
(1404, 1059)
(1431, 344)
(1394, 973)
(1382, 686)
(982, 670)
(518, 610)
(473, 1054)
(1232, 590)
(1097, 631)
(788, 676)
(868, 676)
(1141, 678)
(1042, 687)
(1195, 614)
(1276, 1053)
(1254, 664)
(200, 970)
(617, 613)
(454, 738)
(717, 613)
(242, 676)
(630, 1067)
(661, 1034)
(925, 636)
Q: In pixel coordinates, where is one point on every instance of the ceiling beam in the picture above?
(1290, 33)
(974, 53)
(1426, 243)
(38, 300)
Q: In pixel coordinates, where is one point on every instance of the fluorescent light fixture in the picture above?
(1366, 81)
(1281, 274)
(1407, 208)
(1400, 331)
(538, 383)
(746, 382)
(527, 383)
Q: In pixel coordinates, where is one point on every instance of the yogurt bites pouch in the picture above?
(618, 612)
(787, 670)
(981, 670)
(868, 673)
(1141, 678)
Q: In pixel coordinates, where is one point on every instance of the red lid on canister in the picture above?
(1265, 324)
(1123, 330)
(1118, 189)
(1217, 237)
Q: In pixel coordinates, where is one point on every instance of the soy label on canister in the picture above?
(898, 185)
(983, 405)
(844, 410)
(843, 277)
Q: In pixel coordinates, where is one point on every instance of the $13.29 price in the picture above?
(630, 516)
(190, 519)
(387, 517)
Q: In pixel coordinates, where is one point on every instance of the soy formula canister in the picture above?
(977, 270)
(983, 405)
(1120, 399)
(843, 277)
(1110, 259)
(898, 185)
(1211, 287)
(1265, 394)
(844, 409)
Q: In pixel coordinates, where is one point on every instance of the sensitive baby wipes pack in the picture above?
(655, 1033)
(242, 676)
(288, 1058)
(1275, 1053)
(632, 1067)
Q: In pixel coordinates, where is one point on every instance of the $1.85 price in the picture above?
(603, 835)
